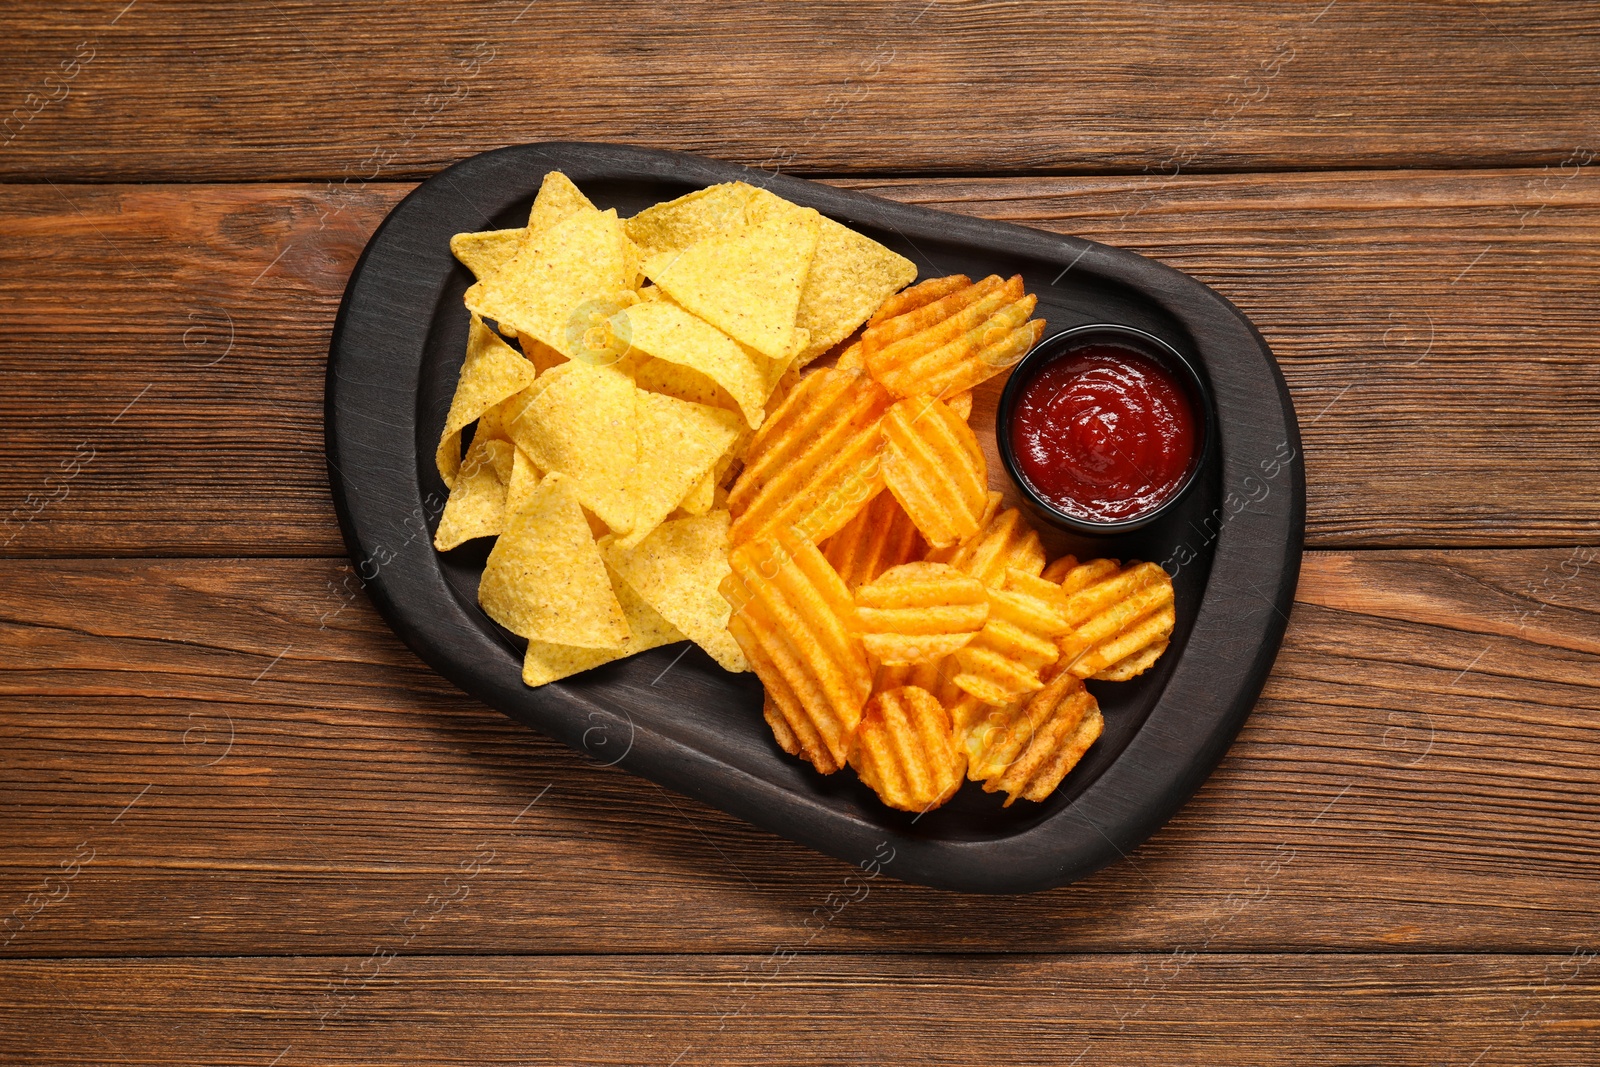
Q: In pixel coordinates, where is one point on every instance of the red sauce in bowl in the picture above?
(1104, 433)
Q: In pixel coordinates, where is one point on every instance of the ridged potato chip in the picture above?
(881, 536)
(491, 372)
(815, 462)
(1025, 749)
(545, 579)
(678, 570)
(953, 343)
(1018, 641)
(925, 292)
(792, 618)
(919, 612)
(1120, 618)
(1004, 542)
(934, 466)
(906, 752)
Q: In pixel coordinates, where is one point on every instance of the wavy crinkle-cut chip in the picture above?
(925, 292)
(677, 224)
(545, 579)
(486, 251)
(585, 426)
(667, 332)
(934, 466)
(476, 506)
(1019, 640)
(792, 618)
(881, 536)
(953, 343)
(919, 612)
(1025, 749)
(678, 570)
(561, 281)
(906, 752)
(491, 372)
(746, 283)
(815, 462)
(545, 662)
(679, 443)
(787, 739)
(1120, 618)
(1003, 542)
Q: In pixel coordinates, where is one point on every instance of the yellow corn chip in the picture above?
(491, 372)
(557, 201)
(667, 332)
(678, 442)
(699, 500)
(685, 383)
(477, 503)
(748, 283)
(677, 569)
(546, 662)
(487, 251)
(584, 425)
(545, 579)
(677, 224)
(561, 279)
(525, 478)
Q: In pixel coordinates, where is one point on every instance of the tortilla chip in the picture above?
(699, 500)
(747, 283)
(557, 201)
(685, 383)
(546, 662)
(677, 570)
(477, 503)
(525, 478)
(485, 252)
(491, 372)
(677, 224)
(545, 579)
(668, 332)
(558, 276)
(678, 443)
(584, 425)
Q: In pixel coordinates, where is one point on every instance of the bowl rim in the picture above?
(1142, 342)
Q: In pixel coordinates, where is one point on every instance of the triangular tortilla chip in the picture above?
(492, 371)
(485, 252)
(668, 332)
(546, 662)
(677, 224)
(677, 570)
(477, 503)
(557, 276)
(748, 283)
(545, 579)
(678, 443)
(558, 199)
(584, 425)
(698, 501)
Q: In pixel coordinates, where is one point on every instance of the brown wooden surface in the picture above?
(241, 823)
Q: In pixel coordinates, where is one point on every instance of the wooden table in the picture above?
(243, 825)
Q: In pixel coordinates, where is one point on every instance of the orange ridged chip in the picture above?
(954, 343)
(1019, 640)
(1004, 542)
(1025, 749)
(881, 536)
(934, 466)
(792, 618)
(918, 295)
(491, 372)
(906, 751)
(1120, 619)
(919, 612)
(815, 461)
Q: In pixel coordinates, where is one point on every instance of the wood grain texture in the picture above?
(209, 308)
(1131, 1009)
(236, 757)
(337, 91)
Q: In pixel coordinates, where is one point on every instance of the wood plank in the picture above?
(351, 91)
(236, 757)
(208, 308)
(1137, 1009)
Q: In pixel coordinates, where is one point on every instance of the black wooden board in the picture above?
(671, 714)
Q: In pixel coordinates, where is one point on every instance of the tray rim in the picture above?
(1111, 817)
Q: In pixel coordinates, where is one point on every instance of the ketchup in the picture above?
(1104, 433)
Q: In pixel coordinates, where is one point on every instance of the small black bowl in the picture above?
(1148, 345)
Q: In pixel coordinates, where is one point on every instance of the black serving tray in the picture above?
(671, 714)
